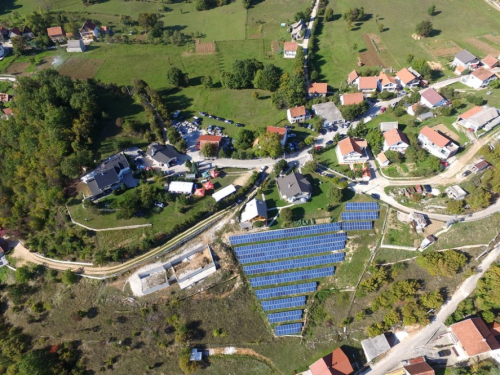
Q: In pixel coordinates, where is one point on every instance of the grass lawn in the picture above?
(227, 364)
(393, 255)
(337, 56)
(398, 233)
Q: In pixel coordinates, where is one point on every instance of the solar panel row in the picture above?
(288, 329)
(362, 206)
(285, 303)
(285, 316)
(284, 233)
(293, 263)
(262, 256)
(289, 290)
(357, 225)
(291, 276)
(250, 249)
(366, 215)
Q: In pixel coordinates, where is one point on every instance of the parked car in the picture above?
(323, 131)
(195, 118)
(342, 136)
(309, 126)
(239, 125)
(444, 353)
(289, 127)
(229, 121)
(263, 168)
(211, 116)
(466, 173)
(428, 188)
(160, 204)
(292, 135)
(139, 161)
(383, 109)
(220, 119)
(330, 142)
(375, 196)
(203, 114)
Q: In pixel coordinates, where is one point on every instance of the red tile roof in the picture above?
(335, 363)
(405, 76)
(482, 74)
(298, 111)
(55, 31)
(318, 88)
(367, 83)
(382, 158)
(7, 111)
(348, 145)
(435, 137)
(394, 136)
(352, 77)
(470, 112)
(210, 138)
(89, 25)
(356, 98)
(386, 79)
(474, 336)
(277, 130)
(432, 96)
(291, 46)
(419, 368)
(490, 61)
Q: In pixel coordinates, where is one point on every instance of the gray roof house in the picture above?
(162, 155)
(329, 113)
(75, 46)
(293, 187)
(464, 59)
(375, 346)
(255, 210)
(107, 175)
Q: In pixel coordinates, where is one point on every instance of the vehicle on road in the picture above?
(383, 109)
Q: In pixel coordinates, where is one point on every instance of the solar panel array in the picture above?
(289, 290)
(284, 233)
(264, 255)
(288, 329)
(289, 277)
(362, 206)
(357, 225)
(285, 303)
(293, 263)
(285, 316)
(366, 215)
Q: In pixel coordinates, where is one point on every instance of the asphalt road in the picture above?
(412, 346)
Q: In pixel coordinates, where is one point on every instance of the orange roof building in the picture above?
(474, 337)
(471, 112)
(290, 50)
(418, 366)
(395, 140)
(490, 62)
(335, 363)
(382, 159)
(436, 143)
(367, 84)
(318, 89)
(297, 114)
(350, 99)
(56, 33)
(352, 150)
(407, 78)
(352, 77)
(208, 138)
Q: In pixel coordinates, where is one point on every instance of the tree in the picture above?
(455, 207)
(147, 20)
(173, 136)
(375, 139)
(176, 77)
(380, 27)
(393, 156)
(268, 78)
(355, 47)
(424, 28)
(246, 3)
(309, 140)
(409, 58)
(244, 139)
(353, 15)
(280, 166)
(19, 44)
(207, 82)
(329, 14)
(23, 274)
(392, 317)
(431, 10)
(446, 263)
(255, 95)
(480, 198)
(431, 300)
(456, 103)
(270, 145)
(286, 214)
(209, 149)
(310, 167)
(69, 277)
(351, 112)
(334, 195)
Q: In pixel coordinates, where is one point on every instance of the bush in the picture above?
(445, 263)
(69, 277)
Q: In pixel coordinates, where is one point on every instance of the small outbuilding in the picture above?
(255, 210)
(75, 46)
(455, 192)
(224, 192)
(180, 187)
(375, 346)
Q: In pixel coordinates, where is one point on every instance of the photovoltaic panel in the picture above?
(281, 278)
(285, 303)
(288, 329)
(357, 225)
(291, 244)
(265, 255)
(285, 316)
(293, 263)
(284, 233)
(362, 206)
(365, 215)
(288, 290)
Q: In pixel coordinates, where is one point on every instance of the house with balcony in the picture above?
(478, 118)
(407, 79)
(387, 82)
(479, 78)
(436, 143)
(368, 85)
(352, 151)
(89, 31)
(395, 140)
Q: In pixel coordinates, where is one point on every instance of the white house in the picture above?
(395, 140)
(387, 82)
(465, 59)
(298, 30)
(472, 338)
(290, 50)
(431, 99)
(478, 117)
(107, 175)
(455, 192)
(418, 221)
(352, 150)
(407, 79)
(318, 89)
(329, 113)
(297, 114)
(350, 99)
(480, 77)
(89, 31)
(436, 143)
(294, 187)
(75, 46)
(382, 160)
(368, 85)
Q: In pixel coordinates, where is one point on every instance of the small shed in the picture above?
(375, 346)
(455, 192)
(196, 355)
(223, 193)
(181, 187)
(75, 46)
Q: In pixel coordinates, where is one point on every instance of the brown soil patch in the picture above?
(46, 63)
(444, 130)
(376, 39)
(483, 46)
(433, 227)
(370, 57)
(17, 68)
(493, 38)
(204, 47)
(275, 46)
(435, 65)
(441, 48)
(242, 180)
(80, 68)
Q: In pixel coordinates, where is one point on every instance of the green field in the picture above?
(337, 57)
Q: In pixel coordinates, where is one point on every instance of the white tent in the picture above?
(180, 187)
(223, 193)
